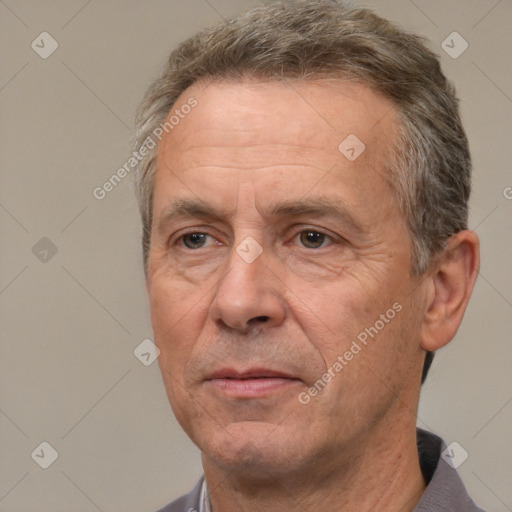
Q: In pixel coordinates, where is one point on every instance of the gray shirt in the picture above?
(445, 491)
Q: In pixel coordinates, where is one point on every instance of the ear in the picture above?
(450, 286)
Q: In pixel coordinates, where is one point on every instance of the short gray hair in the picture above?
(300, 40)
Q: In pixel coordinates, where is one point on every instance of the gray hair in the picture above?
(430, 166)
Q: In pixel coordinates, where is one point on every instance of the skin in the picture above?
(246, 149)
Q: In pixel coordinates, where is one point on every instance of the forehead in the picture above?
(289, 135)
(315, 115)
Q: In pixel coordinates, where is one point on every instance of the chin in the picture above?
(252, 449)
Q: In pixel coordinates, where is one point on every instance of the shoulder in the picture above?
(186, 503)
(445, 490)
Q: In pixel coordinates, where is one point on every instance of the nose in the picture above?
(248, 296)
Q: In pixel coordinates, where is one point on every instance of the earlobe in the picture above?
(451, 285)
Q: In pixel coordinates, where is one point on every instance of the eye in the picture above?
(313, 239)
(194, 240)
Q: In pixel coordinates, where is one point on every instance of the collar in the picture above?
(204, 500)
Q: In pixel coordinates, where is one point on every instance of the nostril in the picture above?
(260, 318)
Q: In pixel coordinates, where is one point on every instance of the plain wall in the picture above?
(71, 321)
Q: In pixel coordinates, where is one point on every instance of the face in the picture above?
(279, 273)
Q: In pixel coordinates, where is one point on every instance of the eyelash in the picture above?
(328, 237)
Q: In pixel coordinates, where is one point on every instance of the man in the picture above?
(306, 251)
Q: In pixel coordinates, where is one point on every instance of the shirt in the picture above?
(445, 491)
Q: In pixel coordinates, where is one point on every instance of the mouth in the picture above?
(252, 383)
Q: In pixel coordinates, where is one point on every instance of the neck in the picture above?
(381, 473)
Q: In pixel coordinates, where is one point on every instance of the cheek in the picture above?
(370, 325)
(170, 295)
(171, 311)
(372, 364)
(388, 352)
(344, 308)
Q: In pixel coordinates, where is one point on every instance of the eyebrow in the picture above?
(313, 207)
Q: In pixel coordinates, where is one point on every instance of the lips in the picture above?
(250, 383)
(253, 373)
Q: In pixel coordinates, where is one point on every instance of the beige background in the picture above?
(70, 324)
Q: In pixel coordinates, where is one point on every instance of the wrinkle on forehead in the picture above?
(238, 120)
(246, 199)
(254, 143)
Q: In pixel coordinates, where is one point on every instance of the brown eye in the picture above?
(194, 240)
(312, 239)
